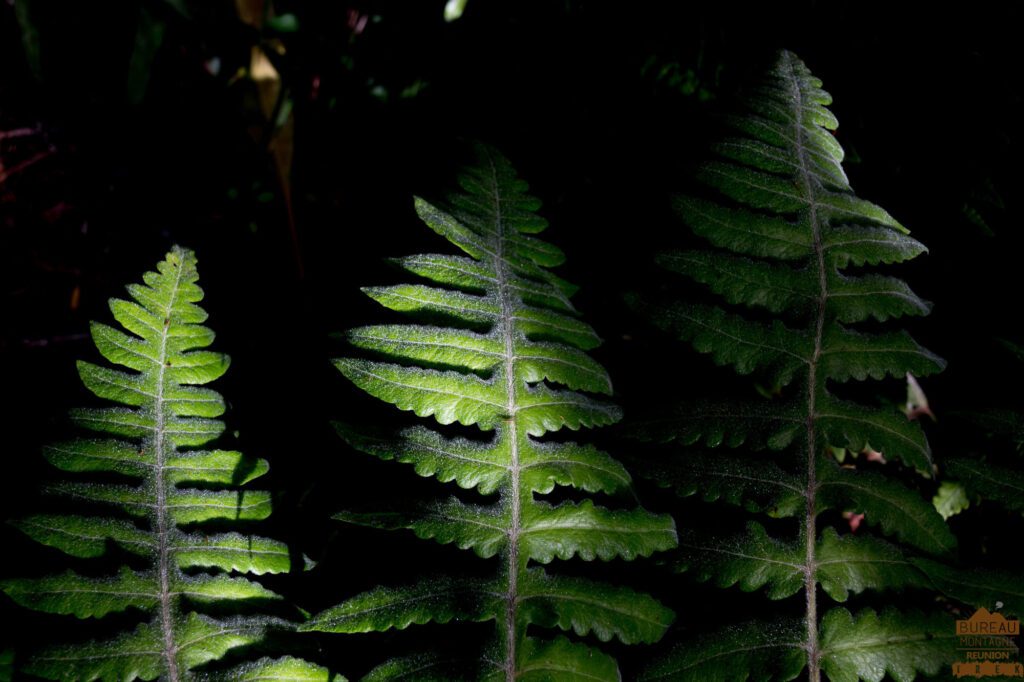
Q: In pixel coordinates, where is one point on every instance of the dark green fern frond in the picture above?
(521, 375)
(1001, 484)
(159, 493)
(789, 262)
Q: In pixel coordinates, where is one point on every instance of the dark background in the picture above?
(146, 129)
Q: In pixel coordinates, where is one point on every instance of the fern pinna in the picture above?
(157, 496)
(500, 380)
(791, 248)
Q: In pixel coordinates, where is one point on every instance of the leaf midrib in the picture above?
(508, 318)
(810, 525)
(170, 649)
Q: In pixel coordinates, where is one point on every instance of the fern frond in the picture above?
(1000, 484)
(870, 645)
(997, 477)
(752, 560)
(788, 266)
(866, 647)
(167, 490)
(855, 563)
(511, 362)
(751, 651)
(845, 564)
(437, 599)
(755, 485)
(978, 586)
(428, 667)
(885, 502)
(758, 425)
(287, 669)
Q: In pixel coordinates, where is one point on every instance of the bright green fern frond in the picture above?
(500, 348)
(167, 488)
(791, 296)
(287, 669)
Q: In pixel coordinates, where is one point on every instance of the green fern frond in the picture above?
(425, 667)
(754, 651)
(755, 485)
(168, 489)
(796, 304)
(1001, 484)
(511, 362)
(870, 645)
(286, 669)
(977, 586)
(894, 508)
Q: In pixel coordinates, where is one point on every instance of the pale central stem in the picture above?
(511, 432)
(810, 522)
(162, 530)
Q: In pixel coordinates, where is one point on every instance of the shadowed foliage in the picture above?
(790, 260)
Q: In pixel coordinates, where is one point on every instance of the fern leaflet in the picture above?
(511, 362)
(167, 492)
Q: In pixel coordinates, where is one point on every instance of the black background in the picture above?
(929, 106)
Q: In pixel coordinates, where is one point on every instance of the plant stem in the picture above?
(810, 521)
(161, 523)
(511, 432)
